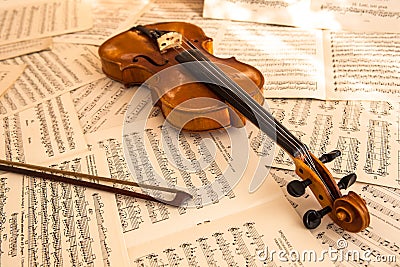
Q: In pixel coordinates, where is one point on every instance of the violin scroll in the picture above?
(347, 211)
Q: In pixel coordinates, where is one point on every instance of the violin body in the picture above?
(131, 58)
(144, 52)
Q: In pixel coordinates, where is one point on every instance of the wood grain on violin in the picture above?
(139, 54)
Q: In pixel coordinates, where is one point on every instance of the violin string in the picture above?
(249, 100)
(293, 141)
(299, 145)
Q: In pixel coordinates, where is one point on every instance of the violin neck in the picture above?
(228, 90)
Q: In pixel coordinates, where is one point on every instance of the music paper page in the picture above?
(25, 47)
(362, 66)
(8, 75)
(220, 183)
(242, 239)
(355, 15)
(48, 74)
(291, 59)
(283, 12)
(365, 132)
(46, 223)
(359, 15)
(380, 241)
(102, 104)
(45, 132)
(26, 19)
(110, 17)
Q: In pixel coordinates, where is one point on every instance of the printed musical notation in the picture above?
(378, 239)
(49, 74)
(351, 117)
(51, 223)
(378, 148)
(324, 129)
(231, 241)
(50, 128)
(350, 154)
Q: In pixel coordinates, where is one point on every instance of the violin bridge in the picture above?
(169, 40)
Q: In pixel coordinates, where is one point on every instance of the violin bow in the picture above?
(94, 182)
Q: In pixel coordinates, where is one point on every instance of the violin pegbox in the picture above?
(348, 211)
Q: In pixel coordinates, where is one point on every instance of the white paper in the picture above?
(358, 15)
(101, 104)
(366, 133)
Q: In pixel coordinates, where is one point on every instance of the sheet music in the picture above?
(26, 19)
(101, 104)
(45, 132)
(362, 66)
(180, 10)
(49, 223)
(366, 133)
(8, 75)
(233, 240)
(381, 238)
(214, 183)
(357, 15)
(48, 74)
(291, 68)
(110, 17)
(25, 47)
(300, 62)
(360, 15)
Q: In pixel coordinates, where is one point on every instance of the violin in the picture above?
(142, 52)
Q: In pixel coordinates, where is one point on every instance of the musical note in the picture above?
(378, 149)
(347, 162)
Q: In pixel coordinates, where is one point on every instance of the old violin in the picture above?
(135, 55)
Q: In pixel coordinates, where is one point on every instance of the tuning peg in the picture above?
(297, 188)
(328, 157)
(347, 181)
(312, 218)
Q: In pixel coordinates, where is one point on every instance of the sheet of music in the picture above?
(110, 17)
(25, 47)
(291, 59)
(102, 104)
(8, 75)
(379, 240)
(48, 74)
(45, 132)
(48, 223)
(235, 240)
(355, 15)
(366, 133)
(26, 19)
(359, 15)
(362, 66)
(207, 169)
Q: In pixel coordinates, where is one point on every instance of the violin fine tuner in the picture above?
(134, 56)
